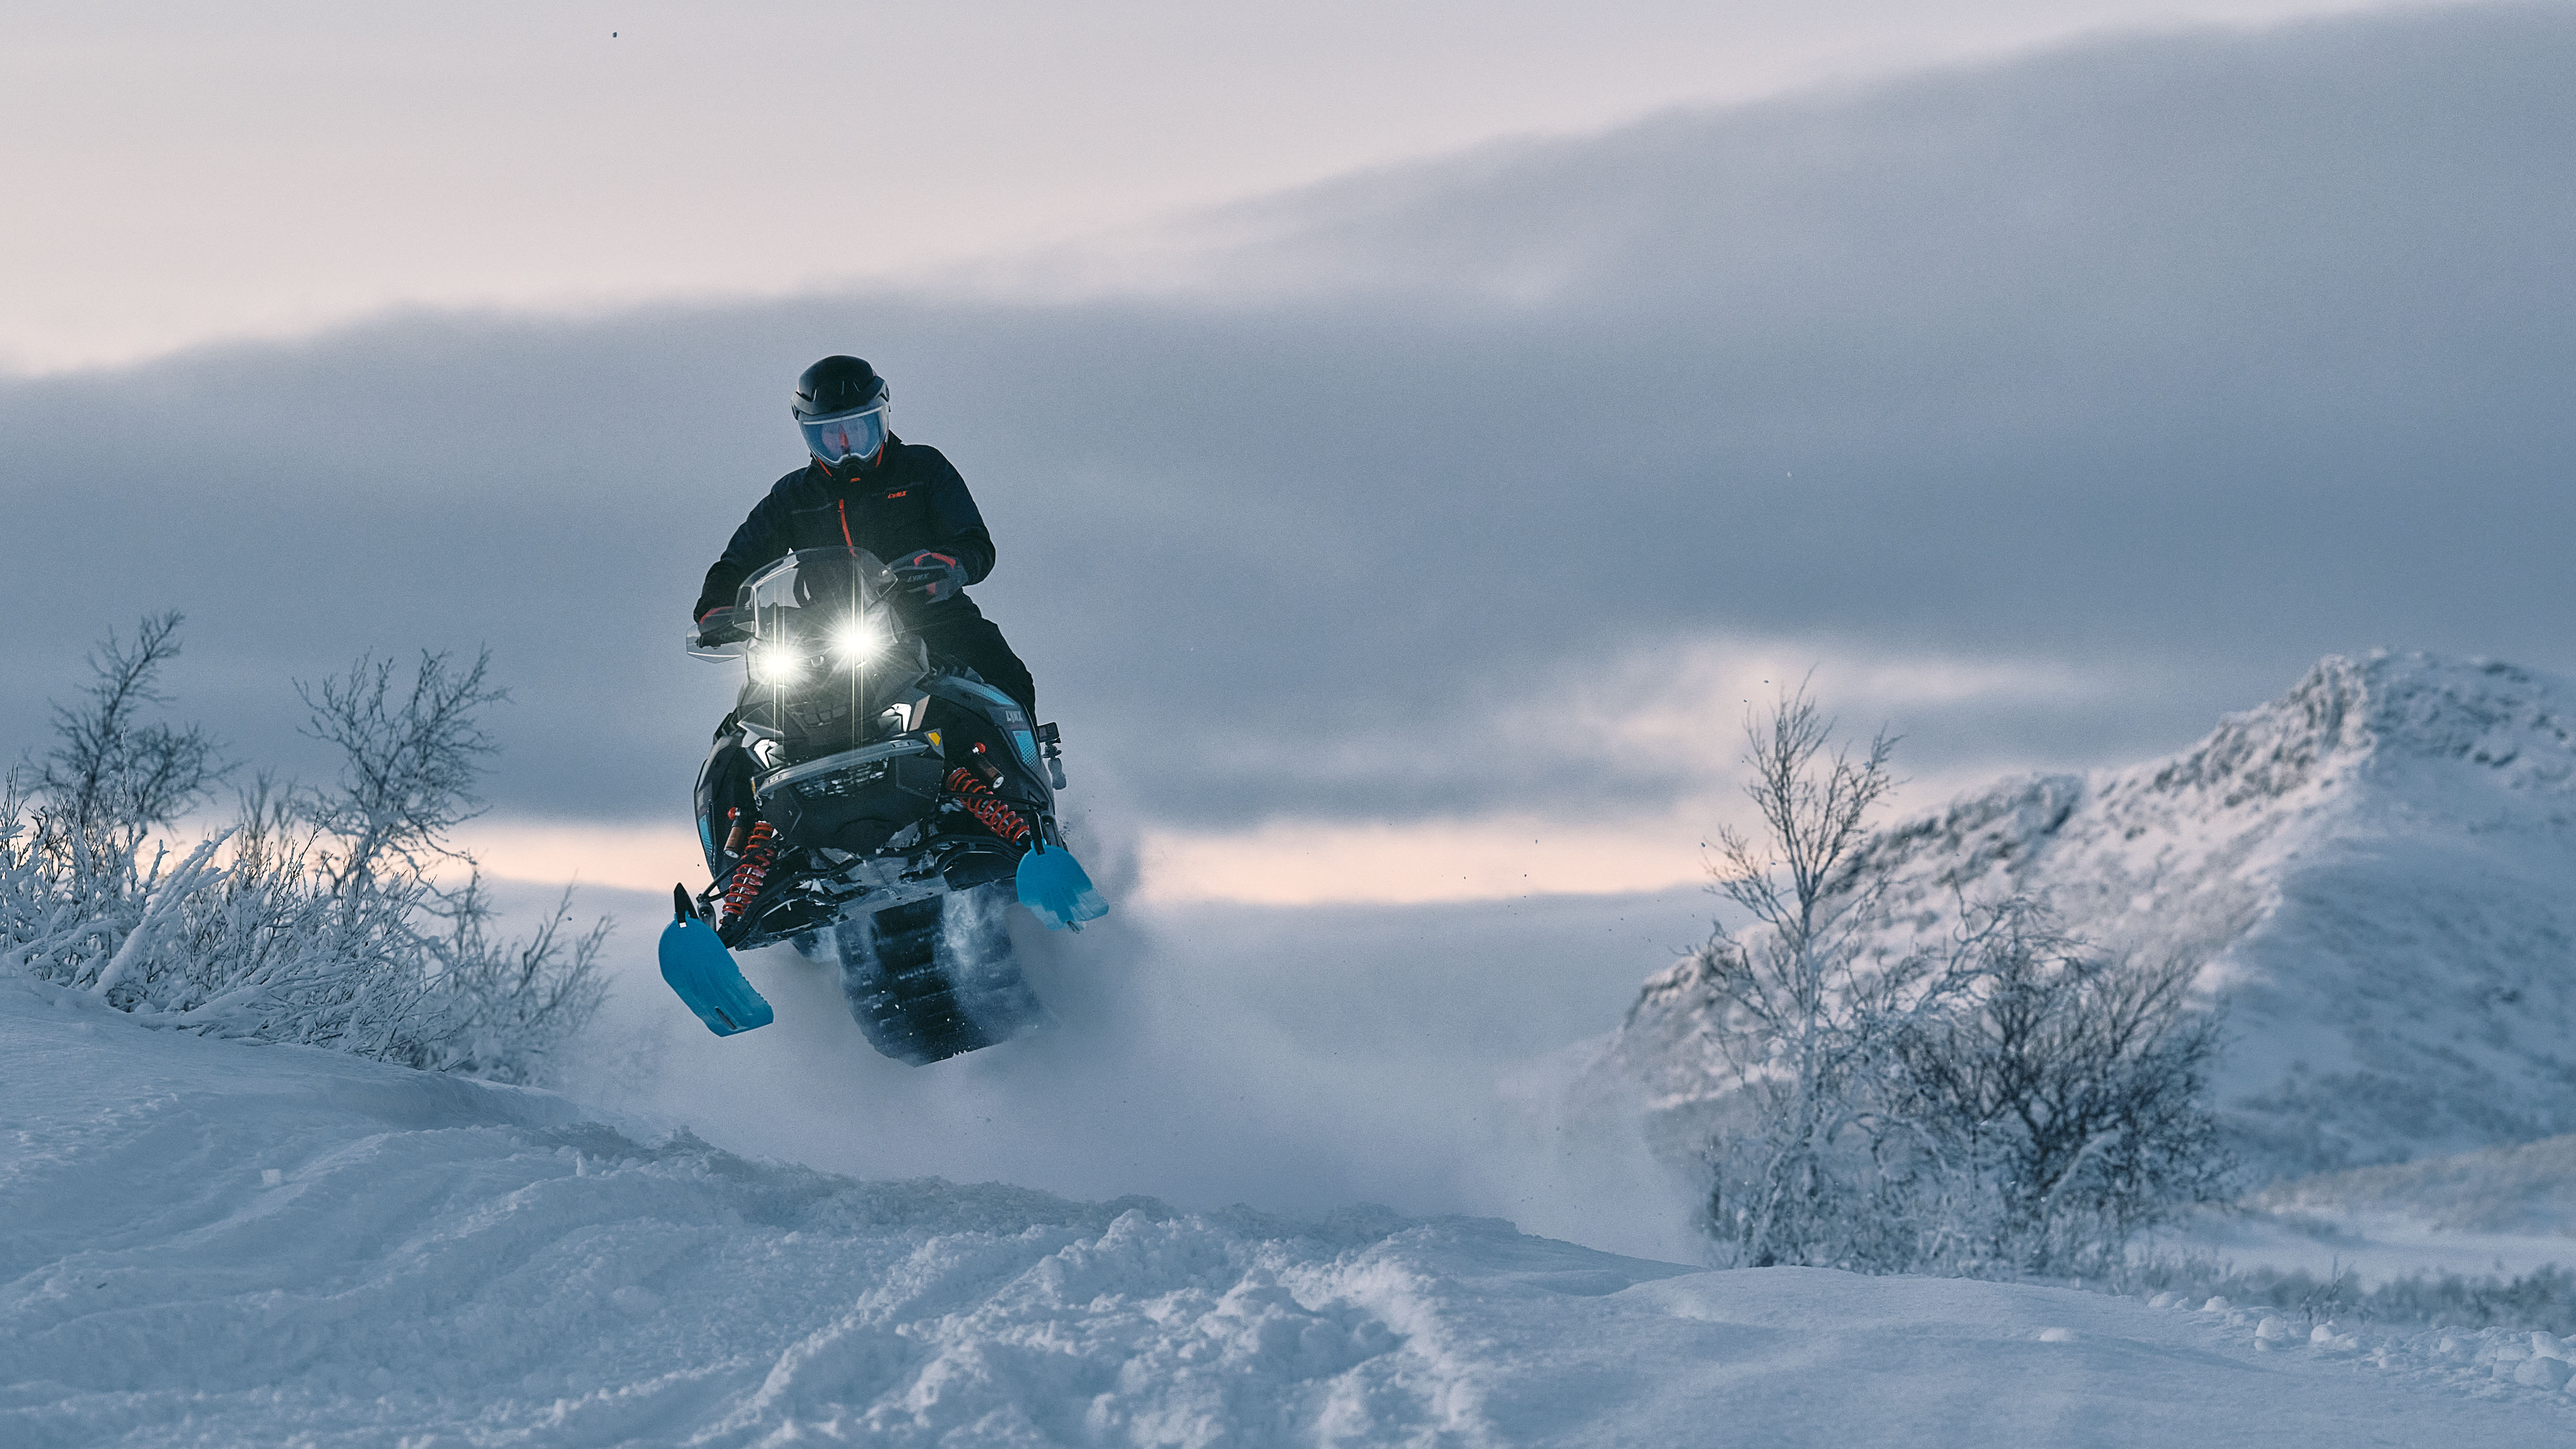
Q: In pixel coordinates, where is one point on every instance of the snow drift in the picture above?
(215, 1242)
(2376, 873)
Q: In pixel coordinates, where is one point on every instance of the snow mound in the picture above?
(224, 1243)
(2376, 874)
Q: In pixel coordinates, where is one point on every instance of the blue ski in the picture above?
(1055, 888)
(702, 971)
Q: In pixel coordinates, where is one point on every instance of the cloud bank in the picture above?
(2103, 389)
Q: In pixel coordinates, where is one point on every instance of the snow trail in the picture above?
(1209, 1057)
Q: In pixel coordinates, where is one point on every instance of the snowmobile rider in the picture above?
(866, 488)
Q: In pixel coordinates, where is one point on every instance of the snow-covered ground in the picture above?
(2500, 1212)
(1299, 1060)
(762, 1240)
(213, 1243)
(2368, 1249)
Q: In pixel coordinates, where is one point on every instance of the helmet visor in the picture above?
(843, 436)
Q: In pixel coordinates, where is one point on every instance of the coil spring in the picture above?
(744, 887)
(978, 798)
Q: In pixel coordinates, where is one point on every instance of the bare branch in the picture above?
(410, 759)
(111, 773)
(2005, 1100)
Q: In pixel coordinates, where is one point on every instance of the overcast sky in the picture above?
(2047, 406)
(177, 171)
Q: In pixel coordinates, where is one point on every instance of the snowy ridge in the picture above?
(2377, 873)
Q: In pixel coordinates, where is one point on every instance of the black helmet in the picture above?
(840, 405)
(837, 385)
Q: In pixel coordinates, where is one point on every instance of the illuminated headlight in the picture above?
(776, 665)
(856, 641)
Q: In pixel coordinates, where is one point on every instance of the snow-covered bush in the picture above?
(1804, 1015)
(315, 918)
(2004, 1104)
(2056, 1106)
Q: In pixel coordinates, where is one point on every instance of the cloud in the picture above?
(1289, 862)
(1621, 771)
(285, 164)
(647, 858)
(2101, 390)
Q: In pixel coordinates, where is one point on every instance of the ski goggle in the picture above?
(843, 436)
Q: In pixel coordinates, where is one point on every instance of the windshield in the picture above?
(812, 603)
(811, 595)
(818, 609)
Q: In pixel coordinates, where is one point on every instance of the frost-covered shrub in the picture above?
(2003, 1105)
(2054, 1107)
(1802, 1011)
(112, 774)
(315, 917)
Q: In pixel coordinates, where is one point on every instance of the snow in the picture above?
(2499, 1212)
(225, 1243)
(2372, 872)
(2528, 1189)
(1298, 1060)
(2370, 1249)
(231, 1243)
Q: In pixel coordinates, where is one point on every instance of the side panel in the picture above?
(724, 785)
(973, 712)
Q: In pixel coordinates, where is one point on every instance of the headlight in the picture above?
(776, 665)
(856, 640)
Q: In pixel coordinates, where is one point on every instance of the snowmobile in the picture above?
(866, 790)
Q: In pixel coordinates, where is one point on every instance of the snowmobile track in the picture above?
(936, 978)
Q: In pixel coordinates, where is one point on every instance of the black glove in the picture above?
(717, 627)
(938, 576)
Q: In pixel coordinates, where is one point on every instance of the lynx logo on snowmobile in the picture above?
(865, 789)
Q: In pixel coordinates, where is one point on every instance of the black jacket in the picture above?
(910, 500)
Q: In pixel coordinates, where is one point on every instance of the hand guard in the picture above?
(718, 627)
(938, 576)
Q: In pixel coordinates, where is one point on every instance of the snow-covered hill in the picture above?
(2377, 871)
(219, 1243)
(2527, 1189)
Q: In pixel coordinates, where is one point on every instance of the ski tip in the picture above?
(702, 973)
(1056, 889)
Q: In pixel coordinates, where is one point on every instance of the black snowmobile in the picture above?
(868, 792)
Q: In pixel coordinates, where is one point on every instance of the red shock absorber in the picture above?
(744, 887)
(976, 794)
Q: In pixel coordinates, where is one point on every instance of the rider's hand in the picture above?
(938, 576)
(717, 626)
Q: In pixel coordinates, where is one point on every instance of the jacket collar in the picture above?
(860, 475)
